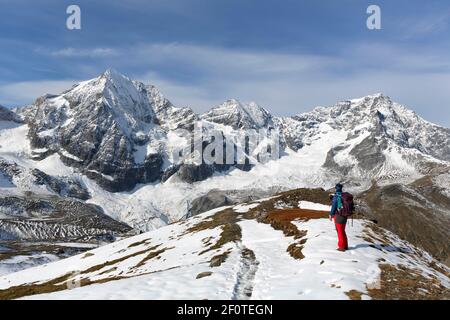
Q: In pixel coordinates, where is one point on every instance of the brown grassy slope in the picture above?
(418, 213)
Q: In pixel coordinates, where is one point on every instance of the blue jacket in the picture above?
(334, 204)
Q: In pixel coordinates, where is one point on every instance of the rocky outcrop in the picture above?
(192, 173)
(213, 199)
(8, 115)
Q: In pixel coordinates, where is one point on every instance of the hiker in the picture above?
(342, 208)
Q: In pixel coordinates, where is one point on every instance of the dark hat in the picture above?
(339, 187)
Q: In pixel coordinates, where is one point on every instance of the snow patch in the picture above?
(313, 206)
(243, 208)
(70, 156)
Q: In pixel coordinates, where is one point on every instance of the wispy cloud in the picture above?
(424, 24)
(253, 62)
(21, 93)
(82, 53)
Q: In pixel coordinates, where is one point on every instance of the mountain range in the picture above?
(120, 133)
(97, 163)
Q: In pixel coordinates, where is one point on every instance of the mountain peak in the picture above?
(117, 79)
(377, 95)
(111, 73)
(234, 105)
(239, 115)
(371, 97)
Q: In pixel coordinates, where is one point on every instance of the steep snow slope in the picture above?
(251, 251)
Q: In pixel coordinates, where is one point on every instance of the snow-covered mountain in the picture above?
(239, 115)
(277, 248)
(121, 133)
(111, 142)
(373, 137)
(98, 126)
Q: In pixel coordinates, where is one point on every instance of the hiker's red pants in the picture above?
(342, 236)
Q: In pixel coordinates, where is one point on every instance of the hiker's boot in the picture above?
(341, 249)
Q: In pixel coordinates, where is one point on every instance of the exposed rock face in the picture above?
(369, 153)
(8, 115)
(213, 199)
(418, 212)
(192, 173)
(218, 198)
(63, 186)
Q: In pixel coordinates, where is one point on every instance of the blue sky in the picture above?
(287, 55)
